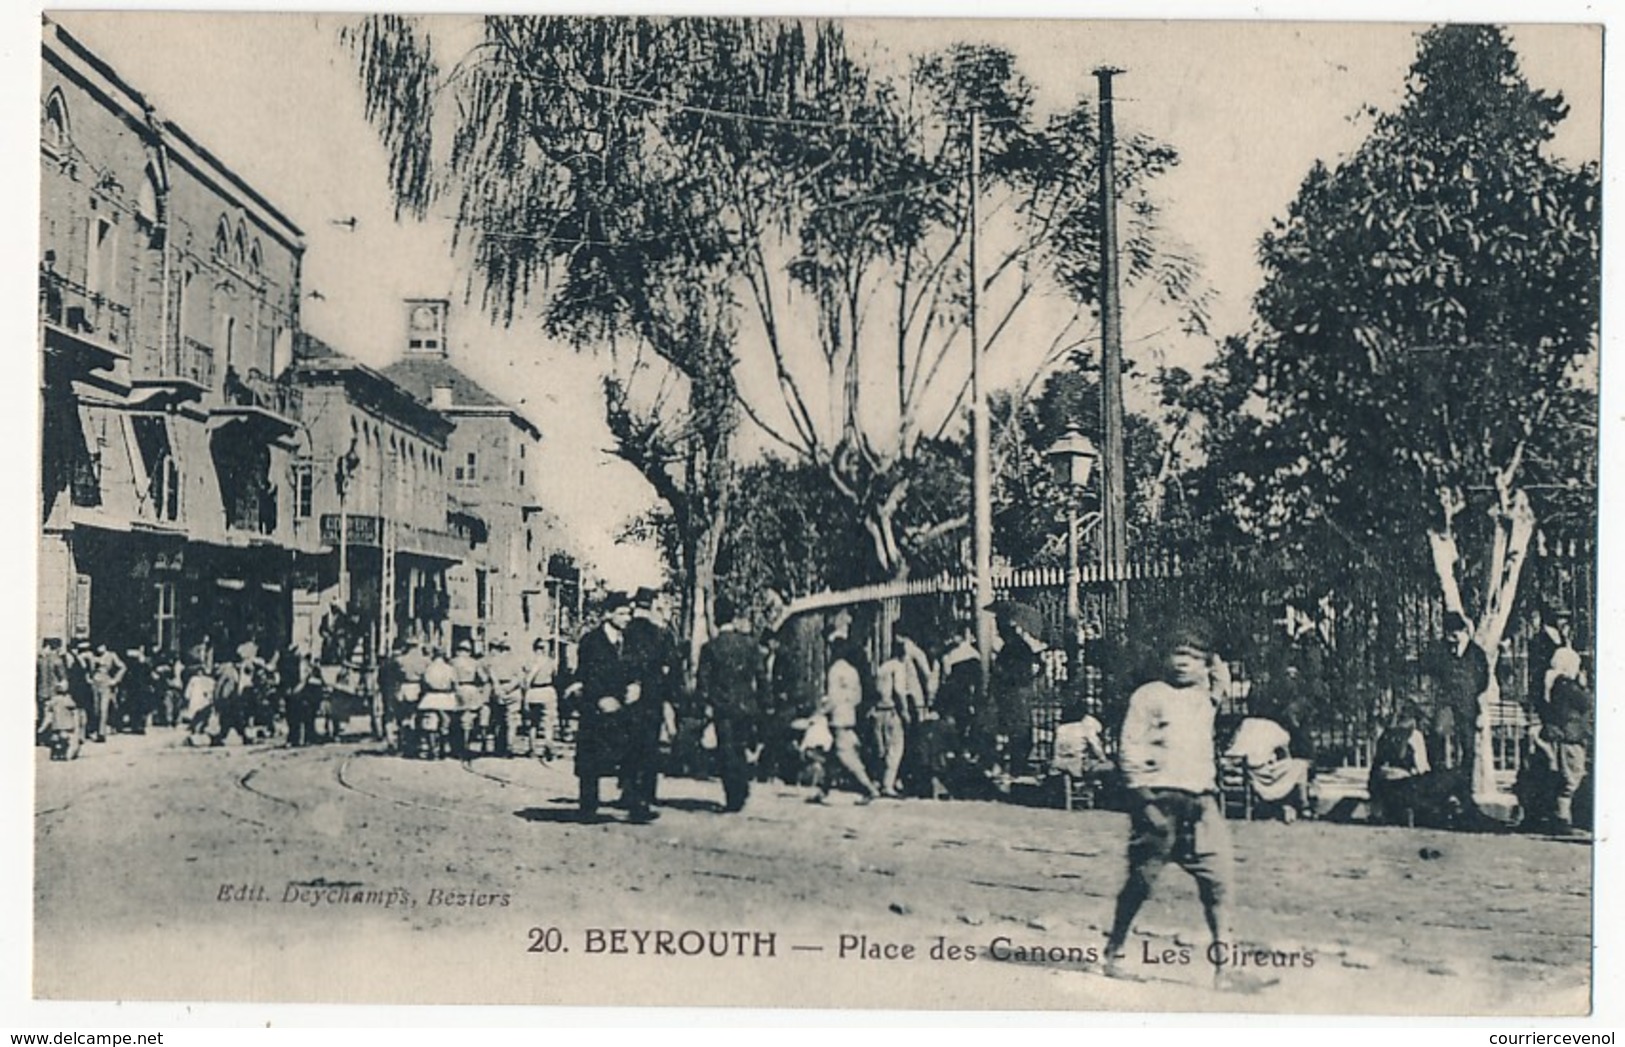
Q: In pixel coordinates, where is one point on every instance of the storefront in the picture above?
(118, 587)
(230, 594)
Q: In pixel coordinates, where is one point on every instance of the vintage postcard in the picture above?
(911, 514)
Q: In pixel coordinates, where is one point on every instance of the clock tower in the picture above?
(426, 327)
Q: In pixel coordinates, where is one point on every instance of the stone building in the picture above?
(376, 472)
(500, 590)
(169, 294)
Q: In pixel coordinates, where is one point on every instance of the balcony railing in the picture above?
(253, 389)
(81, 311)
(194, 361)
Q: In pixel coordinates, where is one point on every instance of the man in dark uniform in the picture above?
(651, 656)
(607, 683)
(1461, 674)
(301, 686)
(1013, 682)
(729, 681)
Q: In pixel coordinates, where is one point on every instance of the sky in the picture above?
(1249, 106)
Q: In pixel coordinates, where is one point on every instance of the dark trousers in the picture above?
(503, 716)
(640, 768)
(300, 709)
(232, 716)
(588, 797)
(733, 737)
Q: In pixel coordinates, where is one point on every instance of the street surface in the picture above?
(337, 873)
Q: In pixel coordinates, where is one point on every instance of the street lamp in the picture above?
(1072, 458)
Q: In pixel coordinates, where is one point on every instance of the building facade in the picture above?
(372, 489)
(501, 590)
(169, 297)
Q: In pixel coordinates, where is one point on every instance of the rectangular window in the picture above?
(81, 606)
(157, 473)
(164, 619)
(169, 490)
(304, 490)
(468, 472)
(97, 256)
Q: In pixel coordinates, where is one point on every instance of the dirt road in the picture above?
(341, 874)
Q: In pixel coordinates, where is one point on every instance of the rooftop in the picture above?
(421, 375)
(316, 361)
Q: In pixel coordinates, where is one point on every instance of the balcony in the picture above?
(252, 389)
(86, 334)
(188, 371)
(268, 407)
(194, 362)
(366, 531)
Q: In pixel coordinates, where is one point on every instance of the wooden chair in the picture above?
(1235, 792)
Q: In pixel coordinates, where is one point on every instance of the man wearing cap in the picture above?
(541, 698)
(473, 690)
(1462, 674)
(505, 696)
(729, 682)
(651, 656)
(844, 694)
(439, 697)
(607, 685)
(1168, 767)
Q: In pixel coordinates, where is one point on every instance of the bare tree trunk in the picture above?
(1514, 527)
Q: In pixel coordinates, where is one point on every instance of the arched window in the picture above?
(222, 241)
(256, 260)
(240, 254)
(56, 132)
(146, 202)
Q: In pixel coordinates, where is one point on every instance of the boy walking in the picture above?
(1168, 766)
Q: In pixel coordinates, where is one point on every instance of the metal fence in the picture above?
(1363, 648)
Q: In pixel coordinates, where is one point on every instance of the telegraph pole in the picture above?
(982, 472)
(1114, 521)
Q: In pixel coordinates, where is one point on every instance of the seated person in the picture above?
(1279, 780)
(1403, 787)
(1080, 747)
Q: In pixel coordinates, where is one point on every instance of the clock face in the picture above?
(423, 318)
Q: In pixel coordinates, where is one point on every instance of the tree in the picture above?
(773, 221)
(1030, 508)
(880, 252)
(594, 177)
(1428, 337)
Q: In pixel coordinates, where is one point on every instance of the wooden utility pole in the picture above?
(1114, 516)
(982, 470)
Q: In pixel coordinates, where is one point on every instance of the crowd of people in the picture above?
(86, 692)
(1423, 762)
(917, 724)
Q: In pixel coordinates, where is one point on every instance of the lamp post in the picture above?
(1072, 458)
